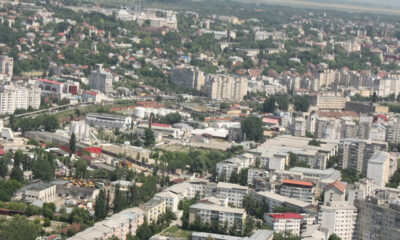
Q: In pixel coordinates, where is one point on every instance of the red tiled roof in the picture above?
(2, 152)
(285, 216)
(338, 185)
(48, 81)
(94, 149)
(298, 182)
(161, 125)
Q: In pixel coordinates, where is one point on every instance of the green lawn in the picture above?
(175, 231)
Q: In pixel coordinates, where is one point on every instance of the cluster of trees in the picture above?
(254, 207)
(272, 103)
(197, 161)
(19, 228)
(47, 122)
(170, 118)
(240, 178)
(314, 142)
(145, 231)
(102, 205)
(295, 162)
(8, 188)
(252, 127)
(350, 176)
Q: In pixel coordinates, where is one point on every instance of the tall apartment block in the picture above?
(377, 220)
(16, 97)
(101, 80)
(188, 77)
(226, 87)
(6, 68)
(355, 153)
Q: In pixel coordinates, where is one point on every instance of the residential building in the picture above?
(153, 209)
(202, 187)
(286, 223)
(299, 127)
(101, 80)
(339, 218)
(17, 97)
(6, 68)
(171, 200)
(325, 176)
(215, 214)
(355, 153)
(259, 234)
(225, 87)
(188, 77)
(234, 192)
(378, 168)
(335, 192)
(272, 200)
(228, 166)
(329, 102)
(118, 225)
(49, 86)
(377, 220)
(105, 120)
(301, 190)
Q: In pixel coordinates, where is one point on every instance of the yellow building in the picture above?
(153, 209)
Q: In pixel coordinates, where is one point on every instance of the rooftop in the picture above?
(285, 216)
(338, 185)
(231, 186)
(217, 208)
(298, 182)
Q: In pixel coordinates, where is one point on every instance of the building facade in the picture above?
(16, 97)
(188, 77)
(101, 80)
(226, 87)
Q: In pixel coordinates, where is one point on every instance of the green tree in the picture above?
(20, 228)
(301, 103)
(374, 97)
(334, 237)
(234, 177)
(243, 176)
(17, 174)
(81, 169)
(269, 105)
(149, 138)
(101, 205)
(253, 129)
(72, 144)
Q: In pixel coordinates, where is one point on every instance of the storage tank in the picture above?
(139, 112)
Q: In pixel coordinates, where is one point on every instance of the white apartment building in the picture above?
(101, 80)
(301, 190)
(6, 68)
(16, 97)
(325, 176)
(171, 200)
(202, 187)
(108, 121)
(226, 87)
(234, 192)
(118, 225)
(273, 200)
(39, 191)
(339, 218)
(253, 173)
(235, 164)
(335, 192)
(285, 222)
(217, 214)
(188, 77)
(378, 168)
(387, 86)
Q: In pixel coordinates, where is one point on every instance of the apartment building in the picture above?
(118, 225)
(273, 200)
(252, 173)
(235, 164)
(299, 127)
(202, 187)
(286, 223)
(260, 234)
(225, 87)
(101, 80)
(234, 192)
(171, 200)
(215, 214)
(377, 220)
(335, 192)
(325, 176)
(339, 218)
(17, 97)
(355, 153)
(301, 190)
(6, 68)
(188, 77)
(378, 168)
(153, 209)
(104, 120)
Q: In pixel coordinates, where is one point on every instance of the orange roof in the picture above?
(297, 182)
(338, 185)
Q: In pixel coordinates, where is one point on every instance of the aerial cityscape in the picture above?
(199, 120)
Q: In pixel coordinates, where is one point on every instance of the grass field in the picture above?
(176, 232)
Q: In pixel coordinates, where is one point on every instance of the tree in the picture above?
(81, 168)
(243, 176)
(224, 105)
(17, 174)
(283, 102)
(72, 144)
(252, 128)
(301, 103)
(269, 105)
(374, 97)
(314, 142)
(101, 206)
(20, 228)
(149, 138)
(234, 177)
(248, 226)
(334, 237)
